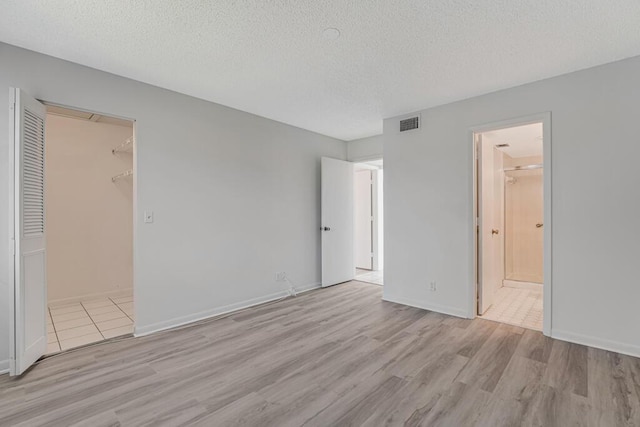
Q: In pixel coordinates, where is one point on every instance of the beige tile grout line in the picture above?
(124, 312)
(92, 321)
(55, 331)
(91, 318)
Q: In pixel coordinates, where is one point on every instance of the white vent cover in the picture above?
(33, 175)
(409, 124)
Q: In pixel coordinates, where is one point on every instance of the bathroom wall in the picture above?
(521, 161)
(89, 217)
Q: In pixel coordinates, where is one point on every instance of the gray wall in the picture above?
(236, 197)
(365, 148)
(595, 206)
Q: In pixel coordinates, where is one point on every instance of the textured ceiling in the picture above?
(270, 58)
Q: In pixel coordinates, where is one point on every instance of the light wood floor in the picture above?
(332, 357)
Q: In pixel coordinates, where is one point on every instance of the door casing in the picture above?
(545, 119)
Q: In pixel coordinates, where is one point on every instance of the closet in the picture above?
(89, 215)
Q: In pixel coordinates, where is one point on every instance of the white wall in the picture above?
(378, 223)
(595, 150)
(363, 212)
(89, 217)
(236, 197)
(365, 149)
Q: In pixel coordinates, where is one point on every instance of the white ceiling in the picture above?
(524, 141)
(270, 57)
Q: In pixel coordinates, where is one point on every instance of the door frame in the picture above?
(11, 214)
(545, 119)
(376, 246)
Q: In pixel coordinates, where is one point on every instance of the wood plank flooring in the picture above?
(333, 357)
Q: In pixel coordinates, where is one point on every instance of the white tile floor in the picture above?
(74, 324)
(520, 307)
(369, 276)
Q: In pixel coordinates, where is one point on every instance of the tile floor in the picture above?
(71, 325)
(369, 276)
(520, 307)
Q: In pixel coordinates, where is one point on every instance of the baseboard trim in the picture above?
(591, 341)
(140, 331)
(4, 367)
(62, 301)
(522, 285)
(452, 311)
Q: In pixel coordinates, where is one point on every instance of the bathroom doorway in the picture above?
(510, 224)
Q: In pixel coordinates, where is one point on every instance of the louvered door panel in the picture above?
(33, 175)
(28, 339)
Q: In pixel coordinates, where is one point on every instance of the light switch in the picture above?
(148, 217)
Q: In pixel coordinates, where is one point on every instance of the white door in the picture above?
(29, 326)
(489, 229)
(337, 221)
(363, 219)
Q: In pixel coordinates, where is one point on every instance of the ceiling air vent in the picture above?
(409, 124)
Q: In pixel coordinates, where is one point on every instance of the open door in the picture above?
(490, 258)
(29, 326)
(337, 221)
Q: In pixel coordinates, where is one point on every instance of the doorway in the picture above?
(351, 213)
(72, 213)
(369, 221)
(89, 217)
(511, 242)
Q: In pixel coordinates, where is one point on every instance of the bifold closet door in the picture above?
(29, 326)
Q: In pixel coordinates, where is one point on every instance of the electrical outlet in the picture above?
(432, 286)
(280, 275)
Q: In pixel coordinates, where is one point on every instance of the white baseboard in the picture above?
(522, 285)
(61, 301)
(307, 288)
(425, 305)
(591, 341)
(4, 366)
(140, 331)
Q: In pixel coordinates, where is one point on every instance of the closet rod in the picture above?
(122, 175)
(124, 146)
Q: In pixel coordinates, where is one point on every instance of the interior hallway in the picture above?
(334, 356)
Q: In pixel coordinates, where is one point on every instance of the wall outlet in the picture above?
(280, 276)
(432, 286)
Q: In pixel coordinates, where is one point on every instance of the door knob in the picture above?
(538, 225)
(495, 231)
(326, 228)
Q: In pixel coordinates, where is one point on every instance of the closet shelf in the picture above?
(125, 146)
(122, 175)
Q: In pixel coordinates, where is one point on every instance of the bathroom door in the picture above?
(489, 229)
